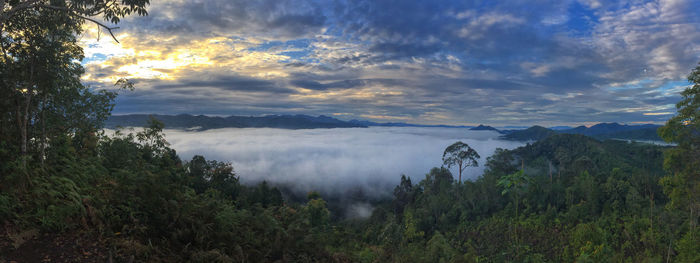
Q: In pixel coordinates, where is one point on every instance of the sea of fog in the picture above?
(334, 160)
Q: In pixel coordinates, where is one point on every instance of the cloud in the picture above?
(229, 82)
(333, 160)
(512, 62)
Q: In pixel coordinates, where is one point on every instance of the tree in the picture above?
(514, 183)
(460, 154)
(109, 10)
(403, 195)
(41, 95)
(41, 76)
(683, 161)
(316, 211)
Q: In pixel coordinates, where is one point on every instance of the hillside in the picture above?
(601, 131)
(617, 131)
(533, 133)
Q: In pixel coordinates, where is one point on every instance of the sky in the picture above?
(521, 62)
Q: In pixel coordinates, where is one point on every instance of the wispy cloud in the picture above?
(512, 62)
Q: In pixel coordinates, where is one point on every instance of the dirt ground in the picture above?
(33, 246)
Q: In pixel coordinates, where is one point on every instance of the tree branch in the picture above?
(109, 29)
(73, 13)
(4, 16)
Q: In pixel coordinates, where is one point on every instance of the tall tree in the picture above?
(403, 195)
(39, 57)
(40, 89)
(461, 155)
(683, 161)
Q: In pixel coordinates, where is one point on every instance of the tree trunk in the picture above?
(23, 121)
(19, 125)
(651, 211)
(693, 220)
(43, 131)
(460, 172)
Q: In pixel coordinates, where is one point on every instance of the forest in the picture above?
(70, 193)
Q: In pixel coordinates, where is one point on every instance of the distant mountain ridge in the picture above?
(599, 131)
(534, 133)
(482, 127)
(403, 124)
(607, 128)
(202, 122)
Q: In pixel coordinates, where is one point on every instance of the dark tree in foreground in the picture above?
(683, 162)
(461, 155)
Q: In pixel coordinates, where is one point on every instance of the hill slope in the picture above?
(601, 131)
(617, 131)
(533, 133)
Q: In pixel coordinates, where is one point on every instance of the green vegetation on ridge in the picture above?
(601, 131)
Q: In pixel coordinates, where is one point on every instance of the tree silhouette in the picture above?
(460, 154)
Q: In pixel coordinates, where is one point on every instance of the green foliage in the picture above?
(109, 10)
(683, 185)
(534, 133)
(317, 213)
(514, 183)
(439, 250)
(7, 206)
(689, 247)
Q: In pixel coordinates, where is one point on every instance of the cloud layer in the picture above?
(496, 62)
(334, 160)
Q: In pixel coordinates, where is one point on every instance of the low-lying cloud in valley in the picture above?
(334, 161)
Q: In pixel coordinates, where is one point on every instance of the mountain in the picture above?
(202, 122)
(534, 133)
(482, 127)
(558, 128)
(617, 131)
(601, 131)
(403, 124)
(647, 133)
(512, 128)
